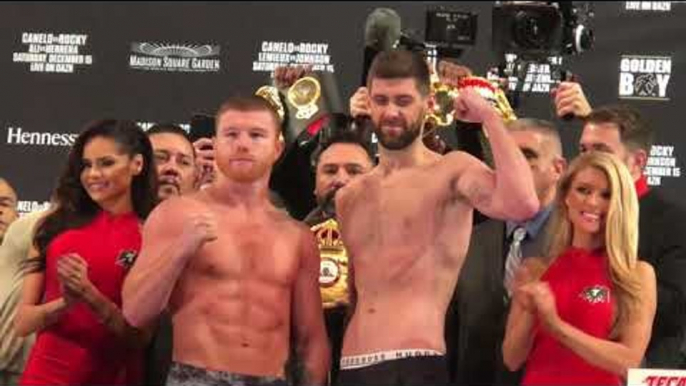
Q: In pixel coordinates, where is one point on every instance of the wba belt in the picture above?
(333, 271)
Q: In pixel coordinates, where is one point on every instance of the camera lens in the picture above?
(528, 32)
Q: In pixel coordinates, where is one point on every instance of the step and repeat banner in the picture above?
(64, 64)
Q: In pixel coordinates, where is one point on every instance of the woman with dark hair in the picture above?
(81, 254)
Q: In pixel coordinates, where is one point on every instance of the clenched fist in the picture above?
(451, 73)
(72, 273)
(200, 228)
(570, 99)
(285, 77)
(472, 107)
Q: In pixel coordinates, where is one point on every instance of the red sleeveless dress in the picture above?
(580, 281)
(78, 349)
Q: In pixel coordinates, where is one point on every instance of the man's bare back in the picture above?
(408, 235)
(231, 304)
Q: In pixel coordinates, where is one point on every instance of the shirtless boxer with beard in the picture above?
(407, 225)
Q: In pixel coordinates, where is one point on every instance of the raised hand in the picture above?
(204, 160)
(570, 99)
(204, 152)
(472, 107)
(450, 73)
(286, 76)
(359, 103)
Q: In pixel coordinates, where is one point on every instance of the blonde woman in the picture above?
(584, 314)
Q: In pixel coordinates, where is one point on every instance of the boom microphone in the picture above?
(381, 33)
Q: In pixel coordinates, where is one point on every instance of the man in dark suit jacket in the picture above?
(475, 323)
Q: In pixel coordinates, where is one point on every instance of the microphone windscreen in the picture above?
(382, 29)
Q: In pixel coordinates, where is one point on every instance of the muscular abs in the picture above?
(407, 237)
(232, 303)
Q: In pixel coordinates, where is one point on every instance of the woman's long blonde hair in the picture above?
(621, 227)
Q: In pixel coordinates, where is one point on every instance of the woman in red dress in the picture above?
(585, 316)
(82, 251)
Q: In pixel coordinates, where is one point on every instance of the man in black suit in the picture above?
(475, 323)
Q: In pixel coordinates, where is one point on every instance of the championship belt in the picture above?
(304, 96)
(309, 99)
(492, 93)
(333, 268)
(271, 95)
(442, 110)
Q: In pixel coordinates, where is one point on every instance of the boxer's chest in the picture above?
(251, 252)
(392, 212)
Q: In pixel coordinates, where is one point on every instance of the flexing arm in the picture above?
(169, 241)
(308, 316)
(506, 193)
(614, 356)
